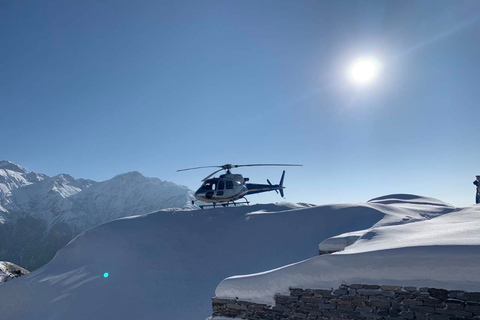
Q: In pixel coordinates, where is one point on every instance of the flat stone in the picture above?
(340, 301)
(327, 306)
(340, 292)
(422, 309)
(390, 294)
(472, 296)
(371, 286)
(356, 286)
(439, 317)
(378, 298)
(440, 294)
(344, 307)
(455, 304)
(407, 314)
(421, 316)
(456, 293)
(456, 313)
(312, 306)
(371, 315)
(412, 302)
(382, 311)
(473, 307)
(296, 292)
(410, 289)
(433, 303)
(378, 304)
(393, 313)
(363, 309)
(311, 299)
(367, 292)
(322, 292)
(299, 316)
(391, 288)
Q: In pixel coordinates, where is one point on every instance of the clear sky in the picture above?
(98, 88)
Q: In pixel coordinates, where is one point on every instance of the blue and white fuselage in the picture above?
(230, 187)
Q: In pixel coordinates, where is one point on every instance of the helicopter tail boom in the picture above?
(259, 188)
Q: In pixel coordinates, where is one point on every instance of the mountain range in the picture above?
(39, 214)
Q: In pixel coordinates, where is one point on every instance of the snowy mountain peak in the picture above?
(8, 165)
(63, 178)
(130, 177)
(58, 208)
(36, 177)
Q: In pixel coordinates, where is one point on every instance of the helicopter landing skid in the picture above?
(214, 204)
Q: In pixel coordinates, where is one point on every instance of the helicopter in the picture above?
(228, 188)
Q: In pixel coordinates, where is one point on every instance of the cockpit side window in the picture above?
(229, 184)
(209, 185)
(221, 185)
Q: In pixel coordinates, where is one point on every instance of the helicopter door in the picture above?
(220, 187)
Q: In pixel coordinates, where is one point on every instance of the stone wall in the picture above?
(359, 301)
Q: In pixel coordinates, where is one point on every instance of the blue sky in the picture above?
(98, 88)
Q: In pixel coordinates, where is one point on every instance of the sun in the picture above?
(364, 71)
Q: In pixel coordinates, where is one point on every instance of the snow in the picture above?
(166, 265)
(398, 209)
(433, 245)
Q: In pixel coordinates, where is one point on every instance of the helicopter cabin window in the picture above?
(221, 185)
(229, 184)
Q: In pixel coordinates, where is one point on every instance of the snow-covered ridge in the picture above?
(52, 210)
(8, 165)
(83, 202)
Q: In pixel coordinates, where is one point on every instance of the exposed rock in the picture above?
(10, 271)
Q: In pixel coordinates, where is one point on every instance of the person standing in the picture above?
(477, 183)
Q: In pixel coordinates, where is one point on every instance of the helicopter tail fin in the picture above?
(281, 184)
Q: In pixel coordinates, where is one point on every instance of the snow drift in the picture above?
(425, 248)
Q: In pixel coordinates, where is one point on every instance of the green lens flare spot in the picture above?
(105, 275)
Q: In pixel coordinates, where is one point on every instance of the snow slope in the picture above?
(441, 250)
(166, 265)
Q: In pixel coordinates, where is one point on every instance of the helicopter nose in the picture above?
(199, 195)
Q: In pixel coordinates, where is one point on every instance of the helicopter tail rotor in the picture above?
(281, 184)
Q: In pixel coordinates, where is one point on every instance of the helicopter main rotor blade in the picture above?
(199, 168)
(230, 166)
(212, 174)
(265, 164)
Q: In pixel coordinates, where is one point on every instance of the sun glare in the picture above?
(364, 70)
